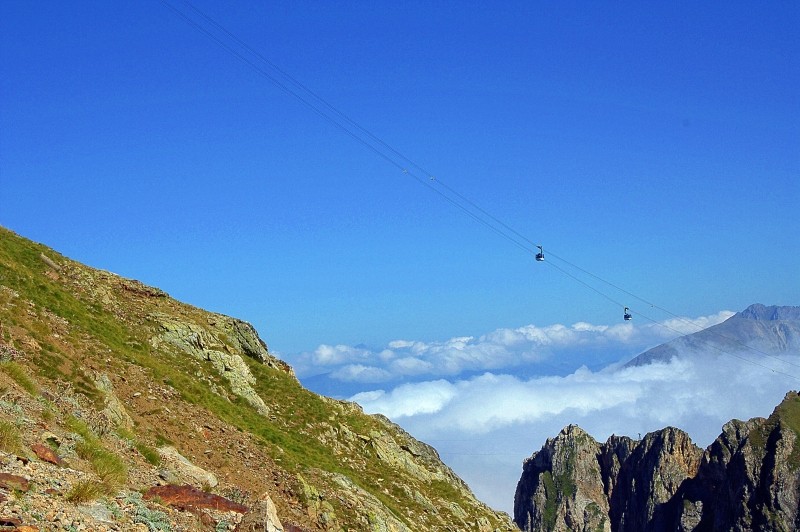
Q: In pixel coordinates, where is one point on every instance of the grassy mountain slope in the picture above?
(95, 365)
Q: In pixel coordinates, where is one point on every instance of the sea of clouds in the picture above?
(486, 403)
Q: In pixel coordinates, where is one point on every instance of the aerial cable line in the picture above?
(294, 81)
(666, 311)
(734, 355)
(584, 283)
(449, 194)
(342, 127)
(279, 84)
(355, 124)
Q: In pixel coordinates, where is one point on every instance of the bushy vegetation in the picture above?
(155, 520)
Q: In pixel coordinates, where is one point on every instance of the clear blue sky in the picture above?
(655, 145)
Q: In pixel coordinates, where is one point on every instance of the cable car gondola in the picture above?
(540, 255)
(627, 315)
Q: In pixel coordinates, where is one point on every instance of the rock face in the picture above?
(563, 486)
(748, 479)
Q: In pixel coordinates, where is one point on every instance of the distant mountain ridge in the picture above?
(758, 311)
(772, 330)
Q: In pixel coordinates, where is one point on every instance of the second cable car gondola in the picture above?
(627, 315)
(540, 255)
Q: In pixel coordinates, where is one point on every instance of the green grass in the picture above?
(108, 466)
(10, 438)
(48, 415)
(19, 374)
(48, 364)
(24, 271)
(79, 427)
(149, 454)
(789, 413)
(86, 491)
(551, 501)
(557, 489)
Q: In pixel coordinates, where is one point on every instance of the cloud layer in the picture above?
(488, 402)
(528, 349)
(485, 426)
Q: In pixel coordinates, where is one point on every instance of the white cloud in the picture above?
(411, 366)
(409, 399)
(328, 355)
(689, 326)
(507, 350)
(361, 373)
(486, 425)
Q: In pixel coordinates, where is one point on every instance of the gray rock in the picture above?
(114, 409)
(206, 345)
(179, 467)
(748, 479)
(262, 517)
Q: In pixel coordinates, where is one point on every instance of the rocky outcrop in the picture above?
(212, 344)
(562, 486)
(750, 475)
(263, 517)
(114, 410)
(649, 478)
(747, 479)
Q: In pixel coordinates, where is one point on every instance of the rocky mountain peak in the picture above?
(771, 330)
(758, 311)
(747, 479)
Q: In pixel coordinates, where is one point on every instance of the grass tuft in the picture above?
(109, 467)
(150, 454)
(86, 491)
(10, 439)
(19, 375)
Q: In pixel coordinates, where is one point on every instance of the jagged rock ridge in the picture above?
(747, 479)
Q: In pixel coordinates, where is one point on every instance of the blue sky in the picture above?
(656, 146)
